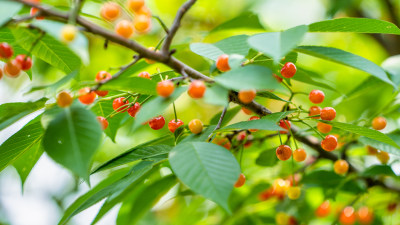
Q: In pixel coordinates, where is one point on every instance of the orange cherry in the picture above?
(241, 180)
(142, 23)
(341, 167)
(165, 88)
(102, 76)
(315, 110)
(383, 157)
(124, 28)
(110, 11)
(197, 89)
(247, 96)
(379, 123)
(329, 143)
(299, 155)
(144, 74)
(247, 111)
(64, 99)
(316, 96)
(86, 96)
(223, 63)
(347, 216)
(135, 5)
(371, 150)
(365, 216)
(283, 152)
(328, 113)
(12, 68)
(103, 122)
(324, 128)
(34, 11)
(196, 126)
(324, 209)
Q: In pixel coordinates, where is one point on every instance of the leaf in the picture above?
(304, 76)
(395, 136)
(216, 95)
(355, 25)
(248, 20)
(25, 163)
(322, 178)
(8, 9)
(232, 45)
(199, 137)
(268, 122)
(142, 151)
(52, 88)
(248, 77)
(11, 112)
(134, 209)
(270, 95)
(22, 142)
(278, 44)
(104, 108)
(230, 113)
(347, 59)
(208, 169)
(48, 49)
(392, 66)
(378, 170)
(367, 132)
(133, 84)
(156, 106)
(267, 158)
(72, 138)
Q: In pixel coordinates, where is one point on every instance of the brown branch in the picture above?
(175, 26)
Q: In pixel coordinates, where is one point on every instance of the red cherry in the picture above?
(283, 152)
(254, 118)
(241, 180)
(278, 78)
(174, 124)
(157, 123)
(329, 143)
(86, 96)
(12, 68)
(223, 63)
(134, 109)
(324, 209)
(103, 122)
(144, 75)
(347, 217)
(34, 11)
(328, 113)
(103, 76)
(5, 50)
(315, 110)
(118, 103)
(24, 61)
(285, 124)
(241, 136)
(1, 73)
(288, 70)
(247, 111)
(316, 96)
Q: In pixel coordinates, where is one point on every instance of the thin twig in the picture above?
(219, 122)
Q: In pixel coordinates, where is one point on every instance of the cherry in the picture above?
(240, 182)
(247, 96)
(196, 126)
(324, 209)
(315, 110)
(347, 216)
(282, 218)
(34, 11)
(365, 216)
(283, 152)
(103, 122)
(86, 96)
(285, 124)
(157, 123)
(120, 104)
(197, 89)
(142, 23)
(1, 73)
(102, 76)
(223, 63)
(241, 136)
(294, 193)
(110, 11)
(150, 61)
(135, 5)
(165, 88)
(144, 11)
(316, 96)
(341, 167)
(280, 187)
(383, 157)
(324, 128)
(379, 123)
(12, 68)
(124, 28)
(288, 70)
(134, 109)
(299, 155)
(328, 113)
(224, 142)
(6, 50)
(292, 221)
(174, 124)
(247, 111)
(24, 61)
(278, 78)
(144, 74)
(254, 118)
(329, 143)
(64, 99)
(371, 150)
(392, 206)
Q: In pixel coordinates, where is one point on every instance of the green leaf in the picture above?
(270, 95)
(48, 49)
(208, 169)
(52, 88)
(199, 137)
(278, 44)
(247, 20)
(135, 207)
(248, 77)
(8, 9)
(24, 141)
(392, 66)
(232, 45)
(395, 136)
(25, 163)
(230, 113)
(268, 122)
(156, 106)
(355, 25)
(367, 132)
(143, 151)
(378, 170)
(346, 58)
(322, 178)
(305, 76)
(133, 84)
(216, 95)
(72, 138)
(267, 158)
(104, 108)
(11, 112)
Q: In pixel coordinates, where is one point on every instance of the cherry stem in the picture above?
(161, 22)
(219, 122)
(317, 132)
(176, 117)
(280, 138)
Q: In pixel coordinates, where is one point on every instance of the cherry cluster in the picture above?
(13, 67)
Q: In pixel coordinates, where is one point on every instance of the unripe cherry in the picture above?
(196, 126)
(294, 193)
(329, 143)
(142, 23)
(288, 70)
(223, 63)
(197, 89)
(165, 88)
(383, 157)
(135, 5)
(124, 28)
(174, 124)
(64, 99)
(341, 167)
(379, 123)
(240, 182)
(283, 152)
(68, 33)
(134, 109)
(110, 11)
(247, 96)
(328, 113)
(157, 123)
(103, 122)
(299, 155)
(316, 96)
